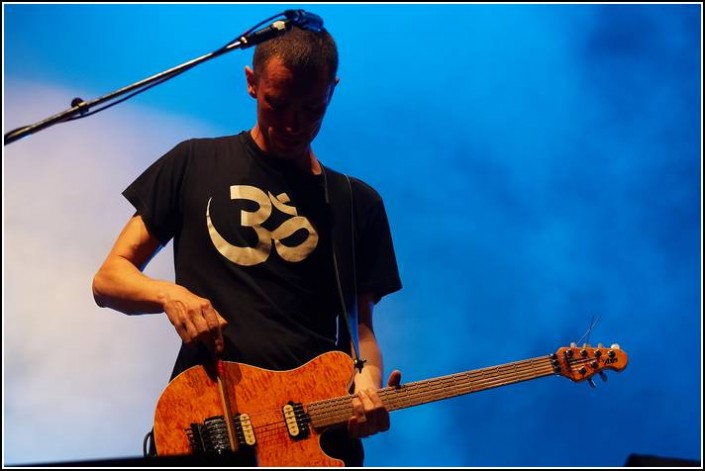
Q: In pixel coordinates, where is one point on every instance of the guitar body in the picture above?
(194, 396)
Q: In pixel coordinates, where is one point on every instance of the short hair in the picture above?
(301, 51)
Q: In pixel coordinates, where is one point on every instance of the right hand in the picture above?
(194, 318)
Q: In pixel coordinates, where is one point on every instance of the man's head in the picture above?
(293, 81)
(301, 51)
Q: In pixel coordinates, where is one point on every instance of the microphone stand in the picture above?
(79, 107)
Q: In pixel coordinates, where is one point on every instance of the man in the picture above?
(253, 244)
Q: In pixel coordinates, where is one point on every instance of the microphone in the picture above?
(271, 31)
(305, 20)
(300, 18)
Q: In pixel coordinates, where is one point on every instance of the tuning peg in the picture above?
(615, 346)
(603, 376)
(573, 344)
(591, 383)
(599, 345)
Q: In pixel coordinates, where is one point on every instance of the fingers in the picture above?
(196, 320)
(369, 415)
(215, 324)
(358, 410)
(178, 315)
(357, 424)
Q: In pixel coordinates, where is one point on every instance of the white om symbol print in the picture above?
(247, 256)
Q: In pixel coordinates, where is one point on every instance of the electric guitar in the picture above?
(279, 416)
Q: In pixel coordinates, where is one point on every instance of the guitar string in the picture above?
(417, 386)
(339, 410)
(411, 394)
(422, 386)
(323, 411)
(264, 432)
(434, 390)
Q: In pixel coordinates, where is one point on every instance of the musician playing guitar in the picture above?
(252, 217)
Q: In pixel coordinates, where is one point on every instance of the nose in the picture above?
(293, 122)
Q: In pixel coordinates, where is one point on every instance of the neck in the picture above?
(305, 161)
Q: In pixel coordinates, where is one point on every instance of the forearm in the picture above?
(120, 285)
(373, 370)
(369, 415)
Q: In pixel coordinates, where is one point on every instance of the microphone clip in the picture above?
(305, 20)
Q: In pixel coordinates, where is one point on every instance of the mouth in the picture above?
(290, 143)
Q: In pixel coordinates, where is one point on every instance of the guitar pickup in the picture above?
(297, 420)
(244, 432)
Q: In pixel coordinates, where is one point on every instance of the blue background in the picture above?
(541, 169)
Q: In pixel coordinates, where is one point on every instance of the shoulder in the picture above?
(201, 149)
(361, 190)
(365, 191)
(367, 201)
(204, 144)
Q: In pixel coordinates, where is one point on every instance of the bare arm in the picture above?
(121, 285)
(369, 414)
(371, 374)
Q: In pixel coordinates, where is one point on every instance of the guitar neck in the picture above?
(337, 411)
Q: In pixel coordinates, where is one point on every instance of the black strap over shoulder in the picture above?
(339, 196)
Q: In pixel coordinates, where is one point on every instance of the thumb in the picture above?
(394, 378)
(219, 341)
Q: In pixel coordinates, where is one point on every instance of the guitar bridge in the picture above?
(211, 436)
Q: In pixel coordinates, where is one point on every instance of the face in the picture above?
(290, 108)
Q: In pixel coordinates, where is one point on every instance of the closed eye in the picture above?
(275, 104)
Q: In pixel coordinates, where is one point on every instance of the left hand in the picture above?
(369, 414)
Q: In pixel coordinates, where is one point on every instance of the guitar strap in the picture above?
(339, 197)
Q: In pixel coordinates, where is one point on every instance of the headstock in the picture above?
(582, 363)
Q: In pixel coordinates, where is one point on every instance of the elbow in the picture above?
(97, 287)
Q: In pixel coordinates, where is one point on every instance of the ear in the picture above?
(332, 88)
(251, 82)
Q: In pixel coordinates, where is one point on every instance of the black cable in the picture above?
(127, 97)
(237, 38)
(167, 77)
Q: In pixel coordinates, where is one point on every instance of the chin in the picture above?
(290, 152)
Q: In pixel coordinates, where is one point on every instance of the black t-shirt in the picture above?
(252, 234)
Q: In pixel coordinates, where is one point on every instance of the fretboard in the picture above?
(337, 411)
